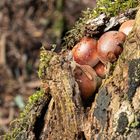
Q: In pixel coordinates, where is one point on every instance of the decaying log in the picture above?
(59, 112)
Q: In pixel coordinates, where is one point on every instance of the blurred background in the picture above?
(25, 25)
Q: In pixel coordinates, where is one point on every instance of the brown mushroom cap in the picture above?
(100, 69)
(85, 52)
(110, 46)
(127, 26)
(87, 80)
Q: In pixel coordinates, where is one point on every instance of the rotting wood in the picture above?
(115, 113)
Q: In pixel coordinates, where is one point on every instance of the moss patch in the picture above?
(103, 6)
(135, 123)
(26, 119)
(32, 100)
(45, 57)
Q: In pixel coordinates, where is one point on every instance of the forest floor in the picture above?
(24, 27)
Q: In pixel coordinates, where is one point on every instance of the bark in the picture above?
(115, 111)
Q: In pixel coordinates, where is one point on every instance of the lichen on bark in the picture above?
(122, 87)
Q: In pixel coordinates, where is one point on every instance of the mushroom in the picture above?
(110, 46)
(85, 52)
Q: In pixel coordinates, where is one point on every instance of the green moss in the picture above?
(112, 8)
(32, 99)
(36, 96)
(135, 122)
(109, 7)
(27, 117)
(21, 124)
(45, 58)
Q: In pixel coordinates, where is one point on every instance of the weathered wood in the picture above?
(114, 114)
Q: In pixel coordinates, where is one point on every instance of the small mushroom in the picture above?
(100, 69)
(110, 46)
(127, 26)
(85, 52)
(87, 80)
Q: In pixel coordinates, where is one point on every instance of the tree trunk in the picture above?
(57, 111)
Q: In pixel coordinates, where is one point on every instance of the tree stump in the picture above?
(56, 111)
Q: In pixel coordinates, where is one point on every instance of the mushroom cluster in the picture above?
(92, 55)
